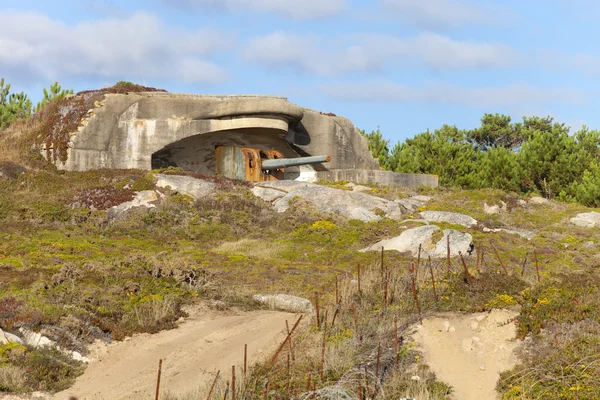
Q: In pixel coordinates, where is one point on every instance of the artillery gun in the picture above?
(257, 165)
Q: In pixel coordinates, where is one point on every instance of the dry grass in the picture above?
(254, 248)
(12, 378)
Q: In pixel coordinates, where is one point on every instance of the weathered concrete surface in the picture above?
(154, 129)
(368, 176)
(354, 205)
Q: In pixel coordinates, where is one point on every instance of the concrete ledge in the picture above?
(362, 176)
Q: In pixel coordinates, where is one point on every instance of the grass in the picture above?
(69, 273)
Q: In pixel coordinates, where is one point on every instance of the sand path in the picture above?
(469, 351)
(191, 355)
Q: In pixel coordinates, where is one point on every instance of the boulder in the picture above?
(523, 233)
(423, 199)
(359, 188)
(146, 199)
(539, 200)
(449, 217)
(413, 203)
(284, 302)
(37, 340)
(587, 220)
(409, 204)
(267, 194)
(489, 210)
(197, 188)
(353, 205)
(410, 240)
(9, 170)
(287, 186)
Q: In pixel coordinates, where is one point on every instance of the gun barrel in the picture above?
(292, 162)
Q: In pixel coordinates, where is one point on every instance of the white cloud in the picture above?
(369, 53)
(439, 13)
(516, 95)
(141, 46)
(297, 9)
(586, 63)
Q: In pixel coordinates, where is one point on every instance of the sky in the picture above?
(402, 65)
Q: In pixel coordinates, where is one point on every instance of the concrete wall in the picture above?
(145, 130)
(369, 177)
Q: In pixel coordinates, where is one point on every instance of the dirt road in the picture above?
(469, 351)
(191, 355)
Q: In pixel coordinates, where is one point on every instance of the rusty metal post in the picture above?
(323, 349)
(274, 358)
(537, 266)
(233, 382)
(213, 385)
(377, 370)
(246, 358)
(318, 311)
(396, 340)
(499, 259)
(418, 260)
(359, 294)
(355, 319)
(448, 254)
(433, 283)
(524, 264)
(158, 378)
(414, 291)
(467, 273)
(287, 327)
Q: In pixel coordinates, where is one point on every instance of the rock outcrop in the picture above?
(411, 239)
(284, 302)
(350, 204)
(197, 188)
(587, 220)
(144, 200)
(449, 217)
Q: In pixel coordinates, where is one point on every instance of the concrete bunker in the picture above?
(148, 130)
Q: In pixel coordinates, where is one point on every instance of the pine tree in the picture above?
(55, 92)
(12, 106)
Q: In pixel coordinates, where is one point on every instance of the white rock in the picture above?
(358, 188)
(410, 239)
(587, 220)
(523, 233)
(146, 199)
(410, 204)
(285, 302)
(474, 325)
(446, 326)
(421, 198)
(353, 205)
(197, 188)
(286, 185)
(450, 217)
(539, 200)
(35, 339)
(267, 194)
(495, 209)
(13, 338)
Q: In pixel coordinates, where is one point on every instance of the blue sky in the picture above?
(403, 65)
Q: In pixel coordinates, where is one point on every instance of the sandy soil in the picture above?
(469, 351)
(191, 355)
